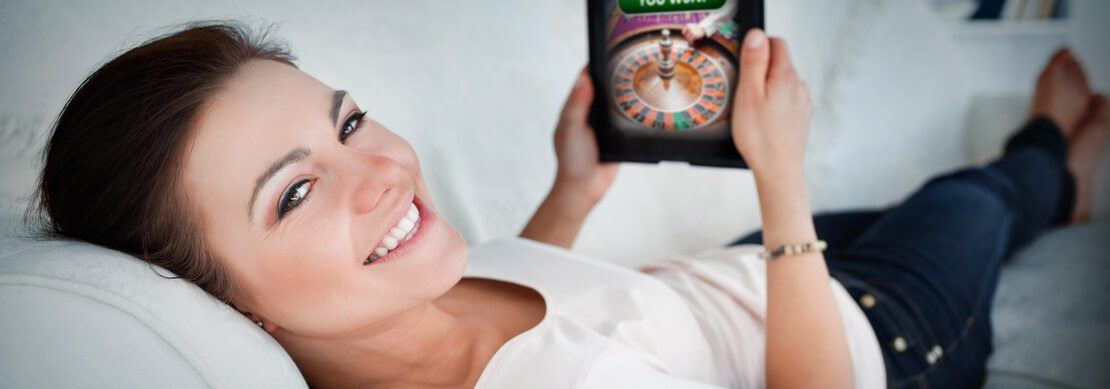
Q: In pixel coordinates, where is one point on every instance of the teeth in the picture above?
(397, 232)
(389, 242)
(403, 231)
(405, 224)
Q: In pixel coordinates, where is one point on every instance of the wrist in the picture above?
(571, 198)
(579, 190)
(559, 217)
(778, 174)
(784, 206)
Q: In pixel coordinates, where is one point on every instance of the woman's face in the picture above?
(295, 192)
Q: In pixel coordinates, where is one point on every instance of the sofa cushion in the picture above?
(1052, 313)
(78, 315)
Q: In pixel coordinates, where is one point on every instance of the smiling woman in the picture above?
(209, 153)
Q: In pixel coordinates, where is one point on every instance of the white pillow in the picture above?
(897, 110)
(78, 315)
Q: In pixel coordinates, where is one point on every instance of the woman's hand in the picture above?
(772, 108)
(806, 346)
(581, 180)
(580, 170)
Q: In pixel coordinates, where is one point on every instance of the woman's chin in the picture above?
(455, 255)
(443, 262)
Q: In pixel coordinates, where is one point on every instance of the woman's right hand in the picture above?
(805, 346)
(771, 109)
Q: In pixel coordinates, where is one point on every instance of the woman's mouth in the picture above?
(399, 236)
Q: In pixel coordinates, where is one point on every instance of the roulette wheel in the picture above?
(669, 85)
(659, 96)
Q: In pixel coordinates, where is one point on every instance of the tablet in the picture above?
(664, 73)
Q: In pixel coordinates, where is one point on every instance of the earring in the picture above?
(258, 322)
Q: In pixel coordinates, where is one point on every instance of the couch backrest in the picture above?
(78, 315)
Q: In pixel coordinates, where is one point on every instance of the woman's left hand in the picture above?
(582, 179)
(580, 170)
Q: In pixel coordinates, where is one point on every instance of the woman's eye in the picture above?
(352, 124)
(293, 197)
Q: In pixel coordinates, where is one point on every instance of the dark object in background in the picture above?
(1021, 10)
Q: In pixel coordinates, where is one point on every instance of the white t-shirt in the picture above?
(683, 322)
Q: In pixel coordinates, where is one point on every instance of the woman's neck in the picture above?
(427, 346)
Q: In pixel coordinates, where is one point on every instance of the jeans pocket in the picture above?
(906, 344)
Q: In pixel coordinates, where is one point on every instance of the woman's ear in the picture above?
(250, 316)
(267, 326)
(254, 318)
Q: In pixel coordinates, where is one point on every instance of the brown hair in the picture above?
(112, 167)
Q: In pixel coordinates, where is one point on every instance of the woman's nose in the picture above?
(374, 177)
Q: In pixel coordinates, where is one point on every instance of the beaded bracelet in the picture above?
(791, 249)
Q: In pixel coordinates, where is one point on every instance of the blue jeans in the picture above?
(925, 271)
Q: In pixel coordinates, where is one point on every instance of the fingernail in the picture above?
(755, 39)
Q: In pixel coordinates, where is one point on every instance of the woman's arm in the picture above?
(559, 217)
(806, 344)
(581, 180)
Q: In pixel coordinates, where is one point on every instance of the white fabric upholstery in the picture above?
(77, 315)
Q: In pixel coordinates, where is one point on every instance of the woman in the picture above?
(208, 153)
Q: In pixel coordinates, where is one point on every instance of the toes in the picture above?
(1099, 110)
(1096, 115)
(1098, 102)
(1062, 55)
(1061, 62)
(1058, 60)
(1074, 68)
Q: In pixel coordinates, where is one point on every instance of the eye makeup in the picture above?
(351, 125)
(294, 196)
(300, 191)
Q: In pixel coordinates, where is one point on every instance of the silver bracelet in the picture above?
(792, 249)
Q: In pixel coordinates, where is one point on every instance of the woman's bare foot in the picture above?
(1062, 92)
(1084, 151)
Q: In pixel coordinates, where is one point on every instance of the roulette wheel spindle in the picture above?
(666, 65)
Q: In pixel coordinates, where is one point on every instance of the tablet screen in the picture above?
(671, 66)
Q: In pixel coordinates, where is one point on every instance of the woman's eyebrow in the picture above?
(295, 155)
(292, 156)
(336, 103)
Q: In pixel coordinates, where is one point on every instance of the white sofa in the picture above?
(74, 315)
